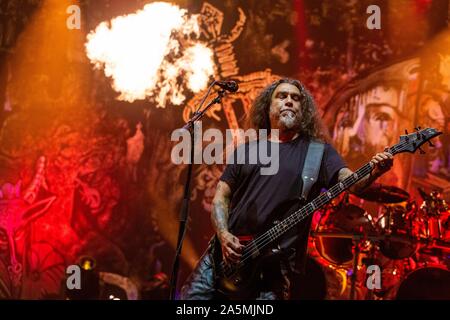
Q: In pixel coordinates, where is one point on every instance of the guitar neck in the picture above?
(279, 229)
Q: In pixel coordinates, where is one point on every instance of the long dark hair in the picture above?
(310, 125)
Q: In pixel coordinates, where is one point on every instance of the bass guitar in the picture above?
(235, 280)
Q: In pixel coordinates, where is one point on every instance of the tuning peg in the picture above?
(406, 135)
(430, 143)
(417, 128)
(421, 151)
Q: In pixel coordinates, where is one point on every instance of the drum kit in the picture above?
(410, 243)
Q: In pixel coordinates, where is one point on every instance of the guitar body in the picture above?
(241, 283)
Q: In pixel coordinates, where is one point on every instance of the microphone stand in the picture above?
(187, 189)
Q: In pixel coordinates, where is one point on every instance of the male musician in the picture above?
(245, 200)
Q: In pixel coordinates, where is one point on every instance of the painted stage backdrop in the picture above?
(91, 91)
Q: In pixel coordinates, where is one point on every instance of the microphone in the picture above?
(231, 85)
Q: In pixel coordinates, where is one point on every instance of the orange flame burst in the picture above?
(147, 53)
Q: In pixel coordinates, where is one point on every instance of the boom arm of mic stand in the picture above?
(187, 192)
(199, 114)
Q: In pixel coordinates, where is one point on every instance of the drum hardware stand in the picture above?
(357, 241)
(389, 220)
(439, 229)
(370, 260)
(357, 250)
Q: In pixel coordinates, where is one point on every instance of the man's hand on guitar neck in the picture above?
(381, 163)
(231, 247)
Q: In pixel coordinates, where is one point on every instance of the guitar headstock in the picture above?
(413, 141)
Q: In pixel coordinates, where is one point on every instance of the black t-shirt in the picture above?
(256, 198)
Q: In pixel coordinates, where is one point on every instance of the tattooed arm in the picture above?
(381, 163)
(231, 248)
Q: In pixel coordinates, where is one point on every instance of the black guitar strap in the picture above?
(311, 167)
(310, 175)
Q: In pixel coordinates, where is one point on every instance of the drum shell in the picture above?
(400, 222)
(431, 282)
(344, 220)
(435, 227)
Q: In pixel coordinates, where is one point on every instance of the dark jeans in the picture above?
(274, 284)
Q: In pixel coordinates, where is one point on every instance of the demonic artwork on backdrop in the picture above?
(19, 256)
(69, 209)
(91, 218)
(377, 117)
(371, 113)
(95, 217)
(432, 170)
(211, 21)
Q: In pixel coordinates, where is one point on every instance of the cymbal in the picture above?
(383, 193)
